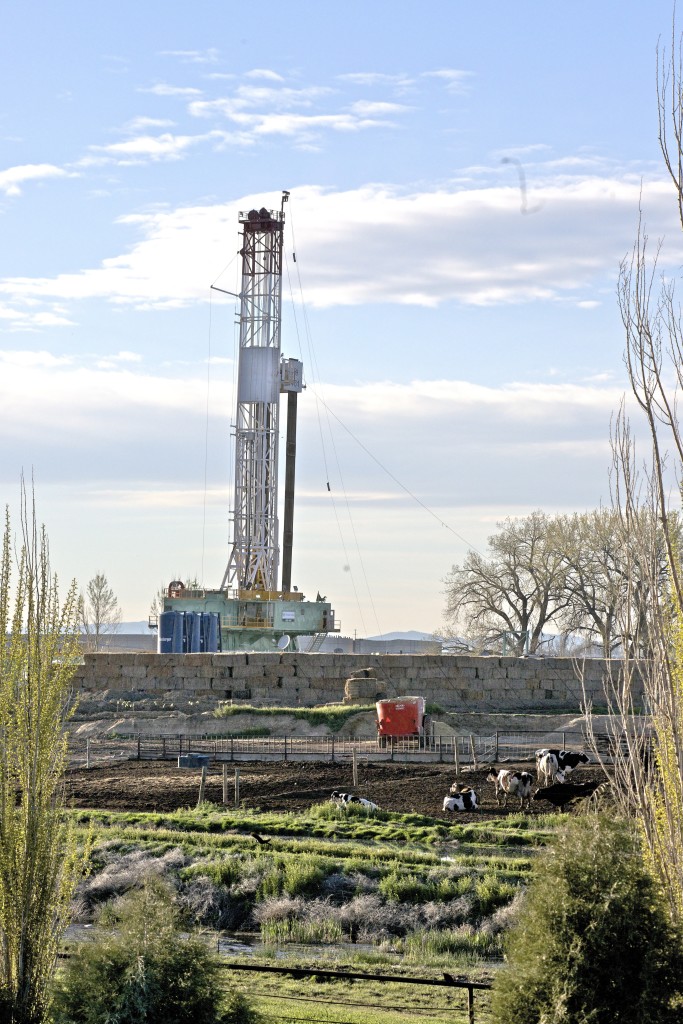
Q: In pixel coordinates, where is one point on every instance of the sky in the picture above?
(464, 181)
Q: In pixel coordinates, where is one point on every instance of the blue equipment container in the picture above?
(166, 627)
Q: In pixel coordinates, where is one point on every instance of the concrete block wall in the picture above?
(291, 679)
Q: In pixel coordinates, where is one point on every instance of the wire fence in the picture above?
(460, 999)
(471, 750)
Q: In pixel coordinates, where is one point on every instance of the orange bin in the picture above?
(400, 717)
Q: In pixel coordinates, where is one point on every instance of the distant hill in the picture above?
(134, 627)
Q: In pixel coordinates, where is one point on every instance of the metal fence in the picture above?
(500, 747)
(464, 1011)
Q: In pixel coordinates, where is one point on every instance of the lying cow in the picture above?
(465, 800)
(563, 794)
(344, 799)
(548, 770)
(567, 760)
(511, 783)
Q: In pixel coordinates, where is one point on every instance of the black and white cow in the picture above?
(511, 783)
(548, 770)
(344, 799)
(567, 760)
(465, 800)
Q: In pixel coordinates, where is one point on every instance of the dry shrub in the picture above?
(121, 873)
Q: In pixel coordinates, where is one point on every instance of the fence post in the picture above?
(225, 782)
(474, 753)
(138, 746)
(285, 748)
(440, 754)
(163, 748)
(202, 787)
(87, 753)
(456, 757)
(333, 747)
(237, 786)
(180, 745)
(495, 756)
(355, 768)
(232, 748)
(470, 1004)
(564, 741)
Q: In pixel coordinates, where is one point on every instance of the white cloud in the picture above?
(142, 124)
(455, 81)
(368, 108)
(209, 56)
(13, 178)
(271, 76)
(371, 78)
(144, 148)
(163, 89)
(381, 244)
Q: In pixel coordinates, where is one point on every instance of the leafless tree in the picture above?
(649, 750)
(518, 590)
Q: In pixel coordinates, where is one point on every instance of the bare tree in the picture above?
(518, 591)
(99, 611)
(649, 752)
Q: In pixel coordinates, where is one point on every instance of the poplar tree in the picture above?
(39, 864)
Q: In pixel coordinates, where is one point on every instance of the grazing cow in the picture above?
(511, 783)
(563, 794)
(548, 770)
(465, 800)
(567, 760)
(344, 799)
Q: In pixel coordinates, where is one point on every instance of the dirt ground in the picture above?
(288, 786)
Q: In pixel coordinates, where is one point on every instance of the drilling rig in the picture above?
(254, 613)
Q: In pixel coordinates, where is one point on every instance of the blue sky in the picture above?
(464, 181)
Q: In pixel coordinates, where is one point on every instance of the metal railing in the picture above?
(469, 750)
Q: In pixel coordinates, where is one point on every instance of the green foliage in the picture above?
(331, 715)
(493, 892)
(593, 944)
(39, 864)
(460, 944)
(144, 972)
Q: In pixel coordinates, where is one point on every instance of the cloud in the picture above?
(12, 178)
(142, 124)
(272, 76)
(162, 89)
(454, 81)
(372, 78)
(209, 56)
(150, 148)
(368, 108)
(381, 244)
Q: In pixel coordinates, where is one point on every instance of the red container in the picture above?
(400, 717)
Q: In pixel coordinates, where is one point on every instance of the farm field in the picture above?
(288, 786)
(405, 890)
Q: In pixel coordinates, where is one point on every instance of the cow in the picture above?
(560, 795)
(511, 783)
(465, 800)
(567, 760)
(344, 799)
(548, 770)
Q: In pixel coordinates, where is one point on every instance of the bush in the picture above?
(143, 971)
(593, 942)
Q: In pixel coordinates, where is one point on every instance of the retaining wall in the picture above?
(291, 679)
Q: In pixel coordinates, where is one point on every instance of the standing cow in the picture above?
(511, 783)
(567, 760)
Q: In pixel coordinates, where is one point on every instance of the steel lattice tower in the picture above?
(254, 558)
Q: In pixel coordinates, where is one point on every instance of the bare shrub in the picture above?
(211, 905)
(446, 915)
(121, 873)
(279, 908)
(504, 918)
